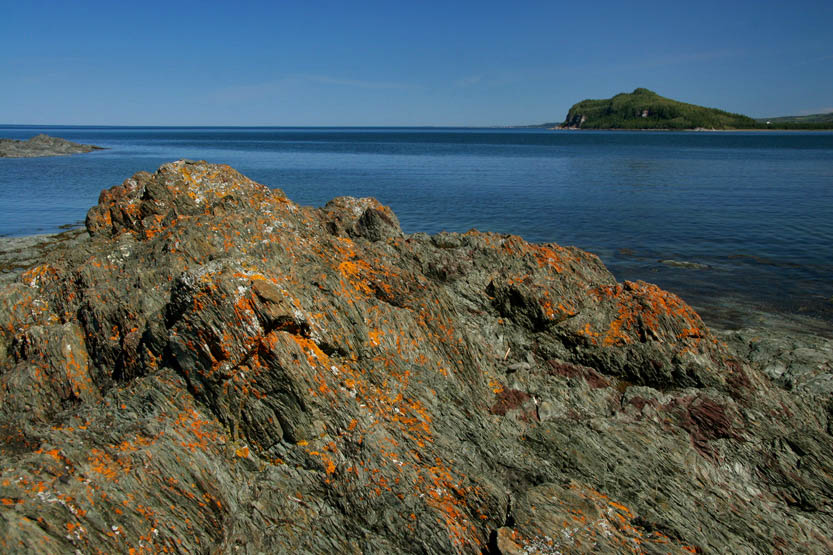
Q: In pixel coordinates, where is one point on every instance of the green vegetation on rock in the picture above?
(645, 109)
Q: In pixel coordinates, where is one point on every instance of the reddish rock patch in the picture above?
(575, 371)
(509, 399)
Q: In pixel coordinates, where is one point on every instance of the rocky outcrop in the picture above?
(573, 121)
(20, 253)
(42, 145)
(217, 369)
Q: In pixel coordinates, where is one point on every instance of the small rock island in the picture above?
(42, 145)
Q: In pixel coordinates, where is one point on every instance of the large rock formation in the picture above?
(217, 369)
(42, 145)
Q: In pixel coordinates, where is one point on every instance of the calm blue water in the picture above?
(756, 208)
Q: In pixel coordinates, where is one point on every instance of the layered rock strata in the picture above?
(217, 369)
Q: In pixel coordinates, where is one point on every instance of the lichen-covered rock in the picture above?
(217, 369)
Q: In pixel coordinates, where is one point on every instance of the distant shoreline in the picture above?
(383, 127)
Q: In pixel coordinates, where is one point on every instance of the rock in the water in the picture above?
(42, 145)
(217, 369)
(686, 264)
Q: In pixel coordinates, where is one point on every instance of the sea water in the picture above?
(732, 221)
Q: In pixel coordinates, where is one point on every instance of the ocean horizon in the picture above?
(735, 222)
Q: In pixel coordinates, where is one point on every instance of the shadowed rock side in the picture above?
(42, 145)
(219, 369)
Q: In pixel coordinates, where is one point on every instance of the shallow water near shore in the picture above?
(739, 224)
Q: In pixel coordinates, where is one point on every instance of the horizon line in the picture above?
(112, 125)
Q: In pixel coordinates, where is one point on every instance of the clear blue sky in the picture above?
(402, 63)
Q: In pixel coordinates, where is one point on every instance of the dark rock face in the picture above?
(574, 120)
(42, 145)
(219, 369)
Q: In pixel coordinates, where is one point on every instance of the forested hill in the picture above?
(645, 109)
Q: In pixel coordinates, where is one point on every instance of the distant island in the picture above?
(645, 109)
(42, 145)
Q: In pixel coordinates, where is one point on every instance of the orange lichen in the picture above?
(374, 336)
(644, 311)
(314, 355)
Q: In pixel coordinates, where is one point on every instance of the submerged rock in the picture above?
(42, 145)
(215, 368)
(685, 264)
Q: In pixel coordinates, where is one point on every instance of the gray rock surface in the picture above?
(20, 253)
(42, 145)
(213, 368)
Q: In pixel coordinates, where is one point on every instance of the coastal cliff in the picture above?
(214, 368)
(42, 145)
